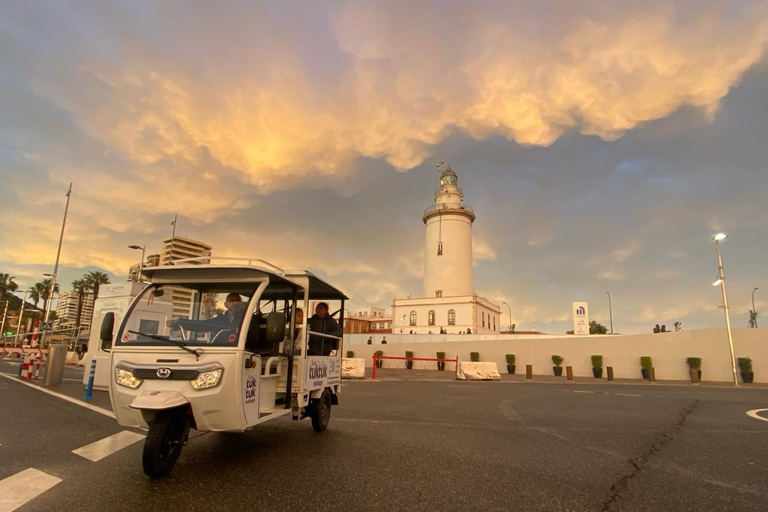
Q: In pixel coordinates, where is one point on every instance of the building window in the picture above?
(439, 248)
(432, 317)
(483, 318)
(413, 318)
(451, 317)
(438, 293)
(494, 323)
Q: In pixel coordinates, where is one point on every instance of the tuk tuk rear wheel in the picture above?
(164, 442)
(321, 411)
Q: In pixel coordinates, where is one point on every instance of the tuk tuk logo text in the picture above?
(318, 372)
(250, 389)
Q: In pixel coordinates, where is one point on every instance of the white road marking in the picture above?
(63, 397)
(626, 394)
(18, 489)
(577, 391)
(754, 414)
(109, 445)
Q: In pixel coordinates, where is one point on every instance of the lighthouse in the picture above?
(448, 304)
(448, 241)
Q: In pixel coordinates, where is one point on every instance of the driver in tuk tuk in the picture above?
(228, 320)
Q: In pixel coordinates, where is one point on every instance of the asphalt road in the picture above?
(423, 446)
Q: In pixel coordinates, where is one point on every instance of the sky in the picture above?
(600, 144)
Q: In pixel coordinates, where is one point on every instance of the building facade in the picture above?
(448, 303)
(66, 310)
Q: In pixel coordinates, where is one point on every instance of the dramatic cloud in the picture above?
(269, 126)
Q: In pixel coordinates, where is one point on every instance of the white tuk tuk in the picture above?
(180, 360)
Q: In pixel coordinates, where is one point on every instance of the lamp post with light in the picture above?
(141, 248)
(510, 316)
(754, 311)
(610, 310)
(721, 281)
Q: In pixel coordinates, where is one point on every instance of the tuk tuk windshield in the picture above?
(193, 314)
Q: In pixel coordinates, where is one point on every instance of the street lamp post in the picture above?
(21, 315)
(721, 281)
(754, 311)
(58, 254)
(2, 325)
(610, 310)
(143, 249)
(510, 315)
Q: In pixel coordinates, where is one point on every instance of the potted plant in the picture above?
(408, 363)
(647, 363)
(597, 366)
(557, 360)
(474, 357)
(379, 362)
(441, 364)
(694, 363)
(350, 354)
(747, 375)
(510, 363)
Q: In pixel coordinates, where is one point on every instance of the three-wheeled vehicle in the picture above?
(218, 348)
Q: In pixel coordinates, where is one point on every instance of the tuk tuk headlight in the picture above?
(207, 379)
(126, 378)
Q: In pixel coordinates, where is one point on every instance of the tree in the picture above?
(7, 284)
(95, 280)
(45, 291)
(596, 328)
(80, 286)
(34, 294)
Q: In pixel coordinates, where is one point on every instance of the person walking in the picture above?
(370, 340)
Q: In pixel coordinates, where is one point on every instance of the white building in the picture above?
(66, 309)
(448, 300)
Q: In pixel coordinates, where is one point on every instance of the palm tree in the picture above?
(34, 294)
(7, 284)
(45, 291)
(96, 279)
(80, 286)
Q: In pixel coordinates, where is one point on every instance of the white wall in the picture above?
(668, 350)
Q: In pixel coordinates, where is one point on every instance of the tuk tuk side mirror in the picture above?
(275, 327)
(107, 327)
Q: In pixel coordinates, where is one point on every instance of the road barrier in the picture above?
(375, 357)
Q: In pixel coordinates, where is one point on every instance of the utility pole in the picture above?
(610, 310)
(52, 286)
(21, 315)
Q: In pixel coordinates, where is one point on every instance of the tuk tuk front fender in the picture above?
(158, 400)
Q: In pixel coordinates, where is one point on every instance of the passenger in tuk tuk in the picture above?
(322, 322)
(297, 333)
(228, 320)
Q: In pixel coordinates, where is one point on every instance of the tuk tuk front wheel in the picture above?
(165, 439)
(321, 411)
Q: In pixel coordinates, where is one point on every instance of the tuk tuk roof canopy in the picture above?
(280, 286)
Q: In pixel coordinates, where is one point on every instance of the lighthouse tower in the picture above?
(449, 304)
(448, 241)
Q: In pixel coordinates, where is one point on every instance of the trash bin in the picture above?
(54, 368)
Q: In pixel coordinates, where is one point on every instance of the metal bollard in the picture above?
(569, 372)
(529, 372)
(610, 373)
(91, 376)
(652, 374)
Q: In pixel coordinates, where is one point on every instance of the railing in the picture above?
(436, 207)
(68, 336)
(439, 190)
